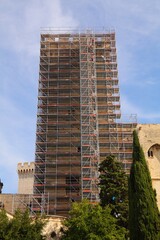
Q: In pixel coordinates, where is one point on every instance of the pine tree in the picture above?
(21, 226)
(143, 210)
(114, 189)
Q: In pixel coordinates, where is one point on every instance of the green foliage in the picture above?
(91, 222)
(4, 222)
(143, 210)
(20, 227)
(114, 189)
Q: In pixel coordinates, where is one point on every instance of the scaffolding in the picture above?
(34, 203)
(78, 116)
(89, 118)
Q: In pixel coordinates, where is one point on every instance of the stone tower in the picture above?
(78, 117)
(26, 177)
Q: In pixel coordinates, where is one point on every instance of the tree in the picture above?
(143, 210)
(114, 189)
(21, 226)
(90, 222)
(4, 222)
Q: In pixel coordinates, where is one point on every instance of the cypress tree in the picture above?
(143, 211)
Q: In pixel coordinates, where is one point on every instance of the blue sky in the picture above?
(137, 26)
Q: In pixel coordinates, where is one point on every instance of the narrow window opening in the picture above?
(150, 153)
(78, 149)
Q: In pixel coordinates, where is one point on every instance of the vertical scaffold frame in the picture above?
(89, 118)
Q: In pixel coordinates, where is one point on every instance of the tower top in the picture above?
(25, 167)
(94, 30)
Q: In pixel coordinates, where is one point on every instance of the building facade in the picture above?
(149, 137)
(78, 118)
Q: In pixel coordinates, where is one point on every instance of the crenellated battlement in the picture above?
(26, 167)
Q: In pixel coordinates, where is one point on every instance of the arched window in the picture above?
(154, 151)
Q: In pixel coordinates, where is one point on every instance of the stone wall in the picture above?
(11, 202)
(149, 137)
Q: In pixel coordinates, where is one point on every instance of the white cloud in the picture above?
(151, 82)
(21, 22)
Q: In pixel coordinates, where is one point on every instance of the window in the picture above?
(150, 153)
(78, 149)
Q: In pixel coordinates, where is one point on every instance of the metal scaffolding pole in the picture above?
(89, 118)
